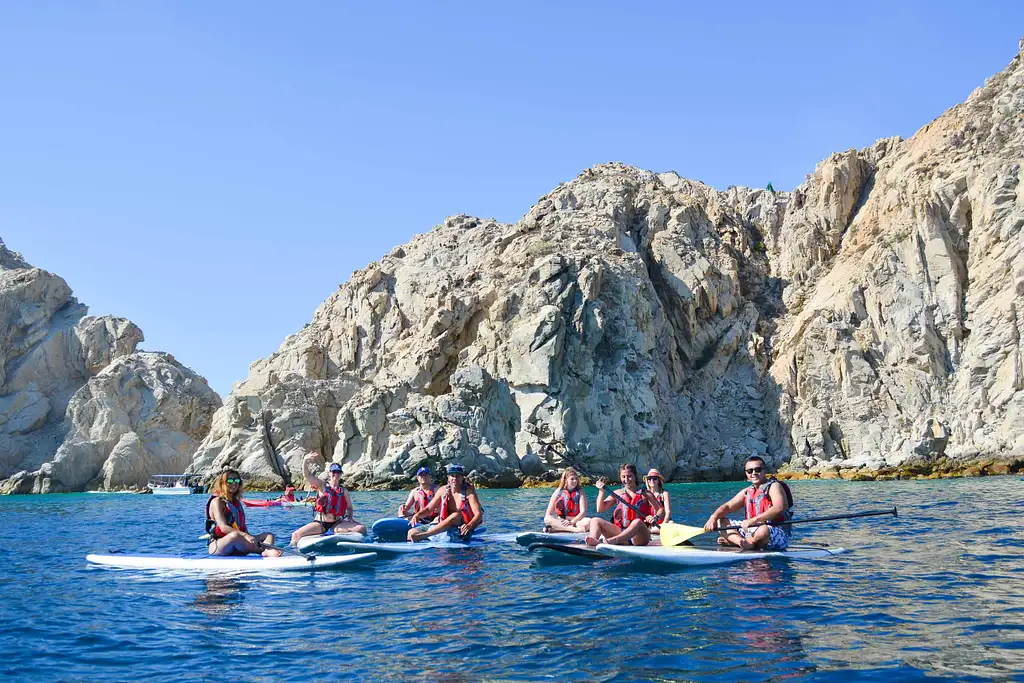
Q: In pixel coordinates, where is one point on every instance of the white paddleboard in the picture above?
(406, 547)
(309, 544)
(212, 563)
(693, 556)
(545, 537)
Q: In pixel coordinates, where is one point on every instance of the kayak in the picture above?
(213, 563)
(320, 542)
(694, 556)
(531, 537)
(275, 503)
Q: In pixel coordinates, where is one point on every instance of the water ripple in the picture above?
(934, 593)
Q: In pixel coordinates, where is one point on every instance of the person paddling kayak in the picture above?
(656, 484)
(333, 506)
(420, 496)
(567, 509)
(456, 505)
(225, 521)
(766, 500)
(627, 525)
(289, 495)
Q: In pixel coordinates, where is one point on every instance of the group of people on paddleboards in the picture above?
(637, 511)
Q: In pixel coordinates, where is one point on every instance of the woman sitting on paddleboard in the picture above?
(420, 496)
(567, 509)
(656, 485)
(225, 521)
(456, 505)
(333, 504)
(627, 525)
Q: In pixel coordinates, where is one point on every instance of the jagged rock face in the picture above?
(638, 317)
(622, 318)
(64, 391)
(906, 340)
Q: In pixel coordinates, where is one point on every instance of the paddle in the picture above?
(675, 534)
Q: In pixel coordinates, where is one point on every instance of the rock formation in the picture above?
(867, 319)
(78, 406)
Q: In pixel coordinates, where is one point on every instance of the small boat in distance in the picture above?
(175, 484)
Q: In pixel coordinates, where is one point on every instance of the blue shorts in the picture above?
(778, 537)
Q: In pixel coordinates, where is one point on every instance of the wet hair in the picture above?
(220, 487)
(630, 467)
(566, 473)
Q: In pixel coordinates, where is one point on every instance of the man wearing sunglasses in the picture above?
(767, 502)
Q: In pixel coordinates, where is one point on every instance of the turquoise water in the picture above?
(936, 594)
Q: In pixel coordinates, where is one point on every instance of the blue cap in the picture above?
(335, 467)
(455, 468)
(423, 470)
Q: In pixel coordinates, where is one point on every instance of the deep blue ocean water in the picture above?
(936, 594)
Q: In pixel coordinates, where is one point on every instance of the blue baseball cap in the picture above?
(455, 468)
(335, 467)
(423, 470)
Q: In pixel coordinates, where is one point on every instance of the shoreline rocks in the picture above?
(80, 406)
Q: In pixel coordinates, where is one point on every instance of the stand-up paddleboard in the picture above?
(396, 530)
(407, 547)
(213, 563)
(531, 537)
(694, 556)
(570, 548)
(320, 542)
(390, 529)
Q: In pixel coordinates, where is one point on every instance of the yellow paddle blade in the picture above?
(677, 534)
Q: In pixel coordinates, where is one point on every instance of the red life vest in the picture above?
(421, 498)
(332, 502)
(757, 501)
(568, 504)
(448, 500)
(623, 514)
(235, 515)
(661, 501)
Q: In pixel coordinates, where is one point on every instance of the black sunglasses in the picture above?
(755, 470)
(233, 480)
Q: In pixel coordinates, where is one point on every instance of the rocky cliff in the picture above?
(866, 320)
(79, 407)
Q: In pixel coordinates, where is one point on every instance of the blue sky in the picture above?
(213, 171)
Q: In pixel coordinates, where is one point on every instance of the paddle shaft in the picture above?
(872, 513)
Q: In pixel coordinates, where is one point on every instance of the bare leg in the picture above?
(451, 521)
(728, 537)
(268, 539)
(232, 544)
(637, 532)
(582, 526)
(311, 529)
(349, 526)
(598, 528)
(759, 539)
(558, 525)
